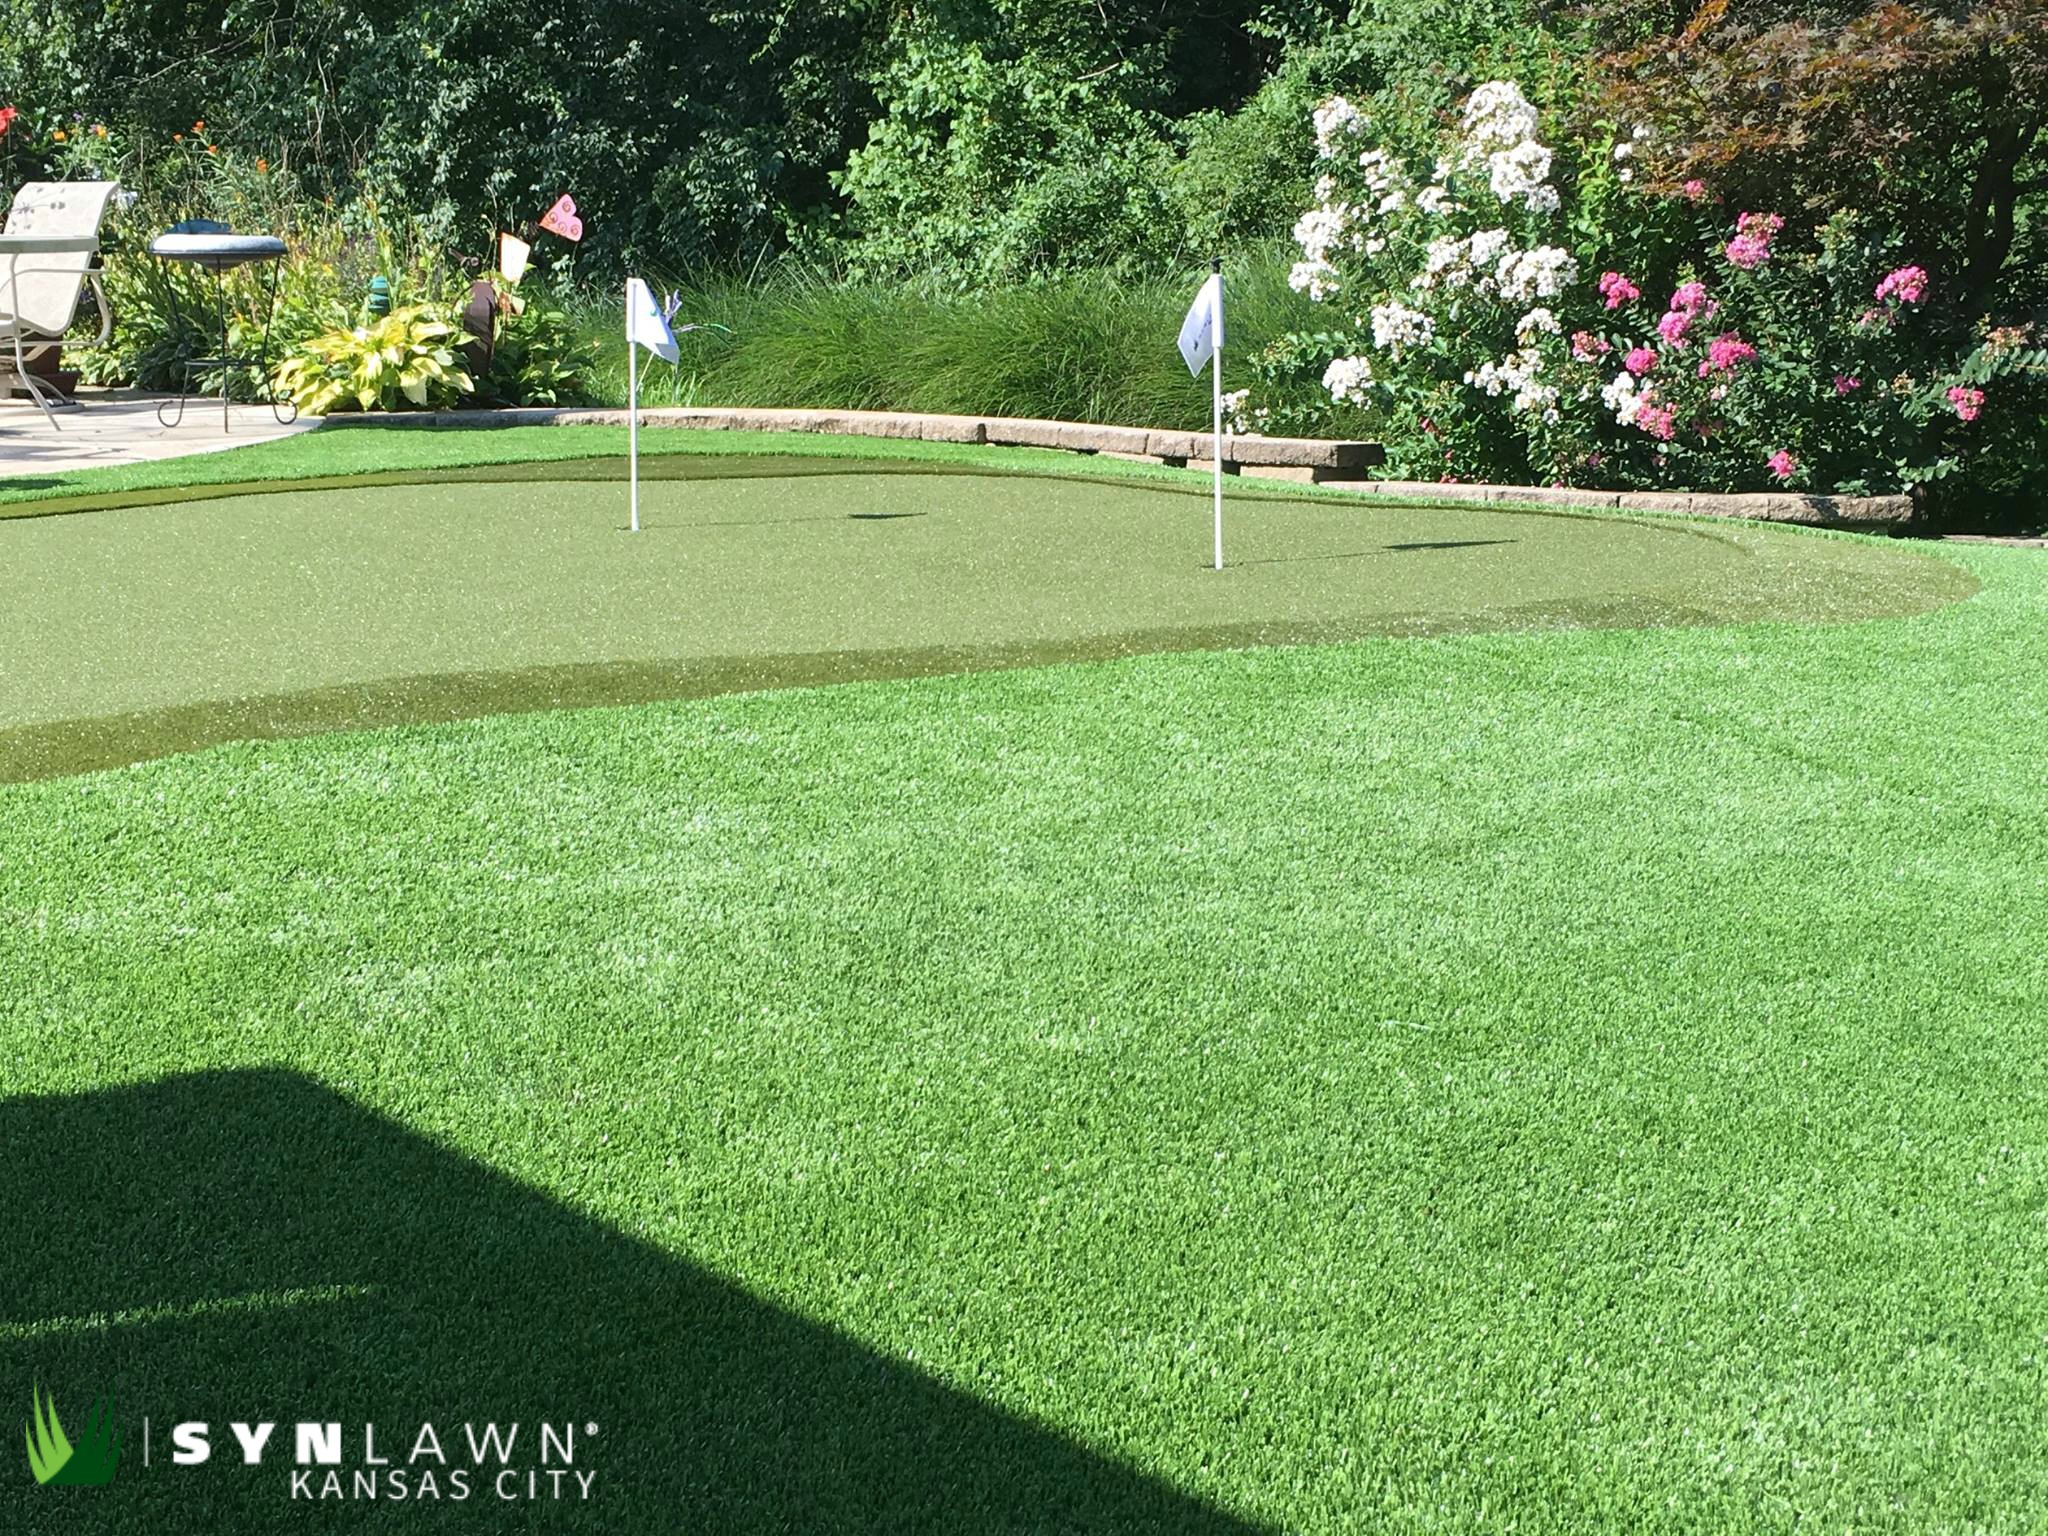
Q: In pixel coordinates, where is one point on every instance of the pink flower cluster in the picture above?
(1695, 190)
(1688, 304)
(1657, 419)
(1640, 360)
(1846, 383)
(1751, 247)
(1967, 402)
(1618, 290)
(1725, 353)
(1908, 285)
(1783, 465)
(1588, 348)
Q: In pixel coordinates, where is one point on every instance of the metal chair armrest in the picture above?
(25, 245)
(99, 298)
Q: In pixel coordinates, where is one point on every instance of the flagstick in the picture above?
(1216, 416)
(632, 408)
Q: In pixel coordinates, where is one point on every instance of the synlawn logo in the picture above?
(51, 1455)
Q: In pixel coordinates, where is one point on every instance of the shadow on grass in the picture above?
(250, 1245)
(1381, 549)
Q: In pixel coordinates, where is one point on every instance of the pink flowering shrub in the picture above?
(1751, 247)
(1726, 353)
(1491, 286)
(1618, 290)
(1907, 284)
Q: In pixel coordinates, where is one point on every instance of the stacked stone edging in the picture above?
(1324, 455)
(1757, 506)
(1323, 461)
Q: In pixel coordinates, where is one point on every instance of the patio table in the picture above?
(220, 250)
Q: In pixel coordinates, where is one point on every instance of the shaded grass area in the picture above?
(161, 626)
(253, 1243)
(1585, 1078)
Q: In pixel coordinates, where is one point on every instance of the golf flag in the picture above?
(646, 326)
(1201, 341)
(645, 323)
(1201, 334)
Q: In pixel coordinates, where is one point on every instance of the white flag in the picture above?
(644, 321)
(1202, 332)
(512, 257)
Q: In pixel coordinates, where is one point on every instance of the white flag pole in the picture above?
(1216, 404)
(632, 408)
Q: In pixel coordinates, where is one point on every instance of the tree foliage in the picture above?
(1933, 117)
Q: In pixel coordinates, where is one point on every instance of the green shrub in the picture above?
(541, 357)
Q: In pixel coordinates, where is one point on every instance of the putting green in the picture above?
(161, 625)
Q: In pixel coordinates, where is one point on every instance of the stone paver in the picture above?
(2003, 541)
(123, 429)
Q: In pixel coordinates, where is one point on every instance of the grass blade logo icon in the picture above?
(51, 1455)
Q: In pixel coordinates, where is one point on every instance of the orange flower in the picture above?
(262, 166)
(213, 149)
(99, 130)
(200, 126)
(57, 134)
(177, 138)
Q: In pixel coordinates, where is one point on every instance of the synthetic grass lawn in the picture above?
(1567, 1080)
(129, 631)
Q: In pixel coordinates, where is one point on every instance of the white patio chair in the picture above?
(46, 264)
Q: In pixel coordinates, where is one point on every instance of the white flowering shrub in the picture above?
(1442, 290)
(1482, 340)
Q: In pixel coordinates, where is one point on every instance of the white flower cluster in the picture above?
(1543, 273)
(1487, 263)
(1626, 149)
(1621, 398)
(1321, 230)
(1498, 116)
(1361, 200)
(1334, 224)
(1395, 327)
(1500, 133)
(1316, 278)
(1348, 379)
(1382, 178)
(1520, 372)
(1335, 120)
(1234, 402)
(1444, 265)
(1448, 262)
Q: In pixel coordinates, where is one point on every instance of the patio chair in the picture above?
(46, 263)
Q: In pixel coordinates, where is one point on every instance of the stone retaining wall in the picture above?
(1308, 460)
(1865, 512)
(1147, 443)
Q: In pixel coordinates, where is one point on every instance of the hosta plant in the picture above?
(406, 359)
